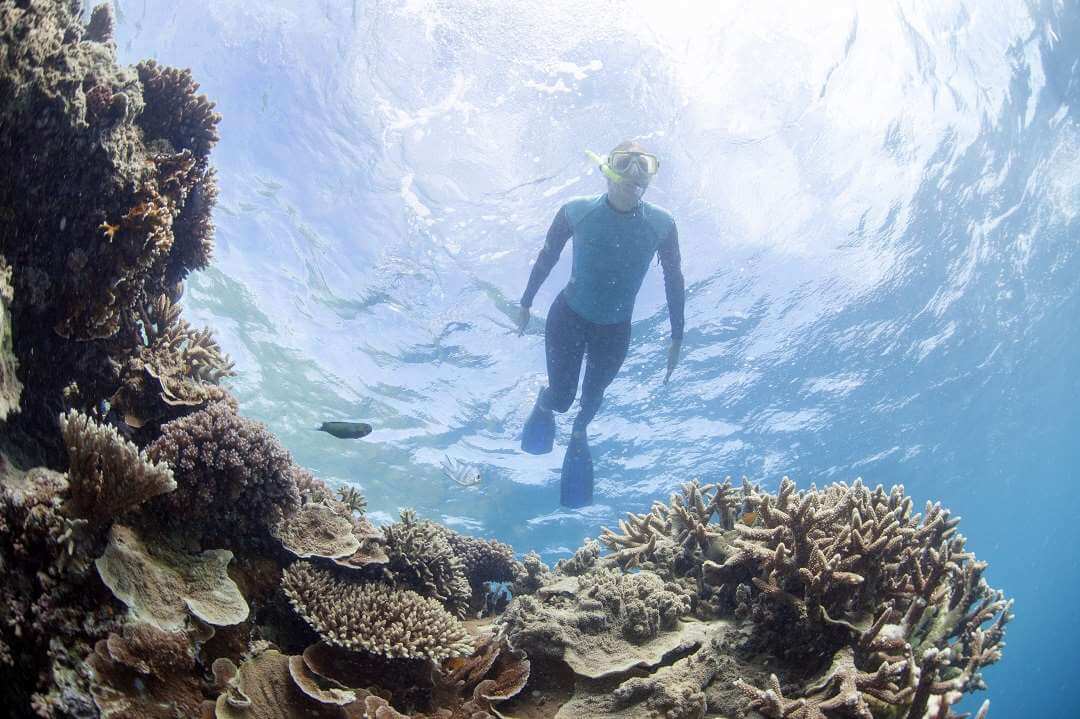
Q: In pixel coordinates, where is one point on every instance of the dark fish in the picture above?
(346, 430)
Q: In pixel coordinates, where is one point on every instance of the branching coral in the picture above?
(175, 369)
(234, 479)
(107, 475)
(174, 111)
(373, 617)
(422, 559)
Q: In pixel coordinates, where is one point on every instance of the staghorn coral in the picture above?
(10, 387)
(373, 617)
(234, 479)
(162, 584)
(107, 475)
(422, 559)
(175, 369)
(174, 111)
(676, 539)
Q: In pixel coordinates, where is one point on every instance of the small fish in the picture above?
(749, 519)
(461, 474)
(346, 430)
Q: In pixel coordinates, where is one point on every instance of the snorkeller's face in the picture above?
(630, 188)
(629, 168)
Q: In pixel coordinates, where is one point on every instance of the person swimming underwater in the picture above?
(615, 236)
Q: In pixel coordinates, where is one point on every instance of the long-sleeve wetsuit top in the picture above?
(612, 251)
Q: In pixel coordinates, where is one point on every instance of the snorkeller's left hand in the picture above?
(672, 358)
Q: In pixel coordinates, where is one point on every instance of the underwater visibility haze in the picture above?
(878, 211)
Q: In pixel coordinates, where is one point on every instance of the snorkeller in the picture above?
(615, 236)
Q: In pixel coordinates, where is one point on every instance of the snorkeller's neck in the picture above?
(621, 203)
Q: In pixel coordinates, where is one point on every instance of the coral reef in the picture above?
(10, 387)
(113, 212)
(603, 623)
(162, 584)
(422, 559)
(235, 482)
(819, 604)
(51, 611)
(185, 566)
(145, 672)
(173, 370)
(373, 617)
(107, 475)
(318, 531)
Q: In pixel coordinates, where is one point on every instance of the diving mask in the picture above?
(620, 164)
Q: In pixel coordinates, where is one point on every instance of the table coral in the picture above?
(163, 585)
(318, 531)
(373, 617)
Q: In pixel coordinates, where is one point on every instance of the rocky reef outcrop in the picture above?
(163, 556)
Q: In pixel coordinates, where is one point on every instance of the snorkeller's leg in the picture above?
(607, 349)
(564, 341)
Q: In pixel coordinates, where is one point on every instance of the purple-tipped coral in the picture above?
(234, 479)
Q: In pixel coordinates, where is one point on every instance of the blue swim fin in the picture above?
(538, 435)
(577, 473)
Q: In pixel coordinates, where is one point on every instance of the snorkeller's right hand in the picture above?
(522, 320)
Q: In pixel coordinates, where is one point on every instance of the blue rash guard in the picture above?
(612, 251)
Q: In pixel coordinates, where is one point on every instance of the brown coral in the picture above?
(51, 609)
(10, 387)
(162, 584)
(318, 531)
(174, 111)
(422, 559)
(373, 617)
(263, 688)
(175, 369)
(234, 479)
(145, 672)
(107, 475)
(602, 623)
(121, 191)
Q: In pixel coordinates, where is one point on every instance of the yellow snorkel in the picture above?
(604, 167)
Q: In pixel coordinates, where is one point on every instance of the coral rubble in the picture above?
(163, 556)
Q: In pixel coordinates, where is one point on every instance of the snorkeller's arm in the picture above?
(674, 284)
(557, 235)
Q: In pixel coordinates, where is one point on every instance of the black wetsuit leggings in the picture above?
(569, 337)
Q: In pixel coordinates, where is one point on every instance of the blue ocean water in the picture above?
(879, 214)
